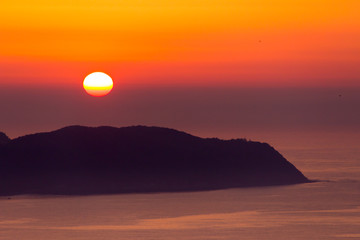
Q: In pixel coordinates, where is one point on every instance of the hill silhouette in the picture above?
(3, 138)
(102, 160)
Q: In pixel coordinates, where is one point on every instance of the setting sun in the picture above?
(179, 119)
(98, 84)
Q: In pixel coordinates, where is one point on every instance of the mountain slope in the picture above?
(84, 160)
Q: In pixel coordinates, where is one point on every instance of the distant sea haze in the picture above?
(224, 112)
(325, 210)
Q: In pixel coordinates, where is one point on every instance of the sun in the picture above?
(98, 84)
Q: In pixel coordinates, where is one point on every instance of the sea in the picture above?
(328, 209)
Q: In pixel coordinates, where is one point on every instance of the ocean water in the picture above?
(329, 209)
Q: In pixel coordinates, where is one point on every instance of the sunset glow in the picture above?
(98, 84)
(252, 43)
(179, 119)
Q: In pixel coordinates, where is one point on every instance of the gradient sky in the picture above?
(191, 42)
(227, 68)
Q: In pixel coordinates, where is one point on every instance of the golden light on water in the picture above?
(98, 84)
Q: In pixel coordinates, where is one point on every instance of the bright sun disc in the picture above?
(98, 84)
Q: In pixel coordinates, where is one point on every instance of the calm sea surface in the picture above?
(323, 210)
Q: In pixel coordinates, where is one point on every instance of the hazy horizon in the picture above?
(223, 112)
(282, 72)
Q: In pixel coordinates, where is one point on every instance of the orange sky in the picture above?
(242, 42)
